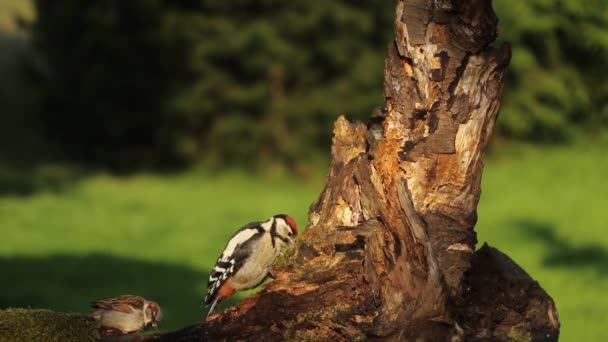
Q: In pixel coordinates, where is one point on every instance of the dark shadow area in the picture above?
(499, 292)
(68, 283)
(29, 161)
(17, 179)
(24, 155)
(562, 252)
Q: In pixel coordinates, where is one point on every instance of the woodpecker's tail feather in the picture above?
(212, 306)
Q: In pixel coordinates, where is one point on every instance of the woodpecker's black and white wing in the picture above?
(236, 252)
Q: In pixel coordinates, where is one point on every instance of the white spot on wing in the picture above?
(267, 225)
(235, 242)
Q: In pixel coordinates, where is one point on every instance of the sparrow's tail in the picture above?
(212, 306)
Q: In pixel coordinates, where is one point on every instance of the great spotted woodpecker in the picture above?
(248, 256)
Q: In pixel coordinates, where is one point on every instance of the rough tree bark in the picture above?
(389, 251)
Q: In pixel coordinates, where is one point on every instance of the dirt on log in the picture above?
(389, 253)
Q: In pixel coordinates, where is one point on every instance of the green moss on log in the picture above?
(285, 261)
(44, 325)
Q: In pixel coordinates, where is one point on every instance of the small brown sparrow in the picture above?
(127, 313)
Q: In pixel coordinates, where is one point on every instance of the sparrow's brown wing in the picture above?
(124, 303)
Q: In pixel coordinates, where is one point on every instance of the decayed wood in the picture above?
(501, 302)
(391, 236)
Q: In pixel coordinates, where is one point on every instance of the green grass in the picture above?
(66, 245)
(88, 236)
(546, 209)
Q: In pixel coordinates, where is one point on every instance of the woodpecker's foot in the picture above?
(211, 317)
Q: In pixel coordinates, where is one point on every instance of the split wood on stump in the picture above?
(389, 252)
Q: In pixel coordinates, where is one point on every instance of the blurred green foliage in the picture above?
(557, 84)
(106, 71)
(149, 82)
(229, 83)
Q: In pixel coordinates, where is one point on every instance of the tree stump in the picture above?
(389, 253)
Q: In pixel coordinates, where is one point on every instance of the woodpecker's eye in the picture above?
(289, 233)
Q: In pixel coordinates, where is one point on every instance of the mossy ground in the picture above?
(29, 325)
